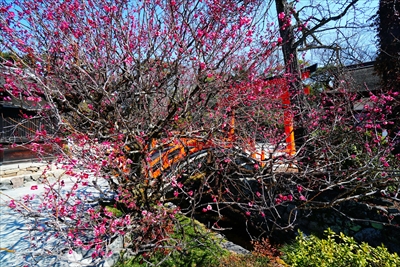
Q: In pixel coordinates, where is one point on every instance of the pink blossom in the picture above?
(244, 21)
(200, 33)
(12, 204)
(280, 40)
(209, 207)
(109, 8)
(281, 15)
(248, 213)
(78, 242)
(70, 235)
(299, 188)
(176, 193)
(227, 160)
(302, 198)
(64, 26)
(34, 187)
(128, 60)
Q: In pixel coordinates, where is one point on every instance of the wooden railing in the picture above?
(16, 133)
(20, 130)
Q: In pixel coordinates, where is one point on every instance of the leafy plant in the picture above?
(201, 248)
(336, 250)
(191, 244)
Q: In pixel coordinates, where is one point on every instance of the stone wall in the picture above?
(24, 174)
(377, 222)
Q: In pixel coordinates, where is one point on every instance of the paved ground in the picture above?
(15, 245)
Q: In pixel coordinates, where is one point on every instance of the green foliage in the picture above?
(193, 245)
(336, 250)
(116, 212)
(190, 245)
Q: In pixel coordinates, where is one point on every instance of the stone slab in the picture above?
(17, 182)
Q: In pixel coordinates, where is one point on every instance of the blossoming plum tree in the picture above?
(127, 88)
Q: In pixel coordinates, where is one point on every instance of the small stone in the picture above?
(10, 174)
(17, 182)
(234, 248)
(11, 171)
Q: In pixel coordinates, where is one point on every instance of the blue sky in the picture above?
(353, 31)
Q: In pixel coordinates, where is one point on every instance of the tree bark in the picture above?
(289, 50)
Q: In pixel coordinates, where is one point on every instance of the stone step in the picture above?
(23, 178)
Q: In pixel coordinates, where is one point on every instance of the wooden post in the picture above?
(231, 133)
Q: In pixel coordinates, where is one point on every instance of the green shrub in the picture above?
(191, 245)
(336, 250)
